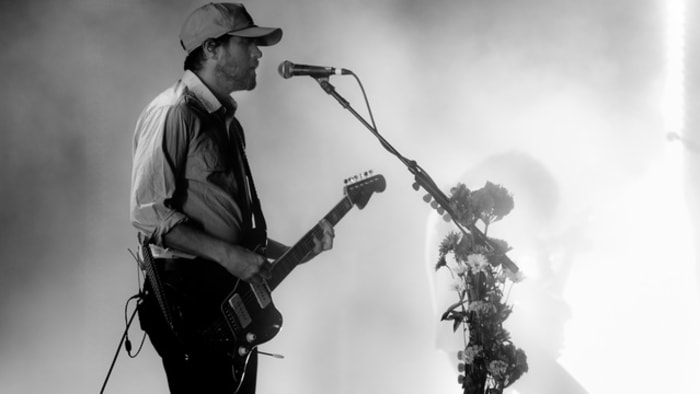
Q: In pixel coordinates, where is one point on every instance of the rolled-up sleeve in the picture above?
(160, 149)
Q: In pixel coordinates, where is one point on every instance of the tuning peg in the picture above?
(427, 198)
(440, 210)
(447, 218)
(434, 204)
(415, 186)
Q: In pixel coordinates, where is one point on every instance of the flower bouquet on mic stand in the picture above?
(489, 361)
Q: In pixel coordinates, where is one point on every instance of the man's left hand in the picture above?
(322, 241)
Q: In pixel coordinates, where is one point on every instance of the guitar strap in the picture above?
(257, 226)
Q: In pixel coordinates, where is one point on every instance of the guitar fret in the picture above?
(285, 264)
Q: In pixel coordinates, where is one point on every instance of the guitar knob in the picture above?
(242, 351)
(250, 337)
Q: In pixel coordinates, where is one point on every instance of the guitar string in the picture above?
(306, 243)
(334, 216)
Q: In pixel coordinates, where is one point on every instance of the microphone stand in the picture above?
(421, 177)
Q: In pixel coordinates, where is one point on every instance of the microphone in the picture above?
(288, 69)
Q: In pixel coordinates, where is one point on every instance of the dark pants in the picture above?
(190, 370)
(207, 375)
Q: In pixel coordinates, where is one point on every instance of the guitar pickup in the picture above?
(238, 307)
(262, 294)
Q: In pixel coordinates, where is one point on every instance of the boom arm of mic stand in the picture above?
(330, 89)
(421, 177)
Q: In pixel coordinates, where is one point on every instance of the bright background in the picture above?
(565, 103)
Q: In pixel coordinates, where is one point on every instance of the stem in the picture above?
(465, 324)
(505, 301)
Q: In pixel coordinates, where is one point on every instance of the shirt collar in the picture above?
(205, 96)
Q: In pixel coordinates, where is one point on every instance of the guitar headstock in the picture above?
(360, 188)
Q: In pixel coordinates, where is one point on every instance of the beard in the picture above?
(235, 78)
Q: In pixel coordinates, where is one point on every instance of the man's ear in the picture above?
(210, 49)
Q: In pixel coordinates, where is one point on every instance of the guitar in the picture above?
(234, 316)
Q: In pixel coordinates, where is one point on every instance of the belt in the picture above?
(168, 253)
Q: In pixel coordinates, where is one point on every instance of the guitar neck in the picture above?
(285, 264)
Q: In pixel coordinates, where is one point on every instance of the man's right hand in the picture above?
(245, 265)
(239, 261)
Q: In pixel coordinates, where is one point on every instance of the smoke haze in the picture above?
(557, 100)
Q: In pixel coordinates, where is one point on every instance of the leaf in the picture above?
(452, 308)
(456, 325)
(442, 262)
(500, 245)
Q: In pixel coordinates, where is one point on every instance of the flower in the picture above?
(458, 285)
(492, 202)
(501, 276)
(515, 277)
(461, 269)
(477, 262)
(470, 353)
(497, 368)
(481, 307)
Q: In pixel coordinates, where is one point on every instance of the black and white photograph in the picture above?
(345, 197)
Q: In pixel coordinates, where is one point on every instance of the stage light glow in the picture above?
(641, 265)
(674, 103)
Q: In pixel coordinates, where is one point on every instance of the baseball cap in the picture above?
(216, 19)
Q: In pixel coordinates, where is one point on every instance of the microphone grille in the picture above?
(285, 69)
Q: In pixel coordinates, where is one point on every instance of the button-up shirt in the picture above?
(188, 152)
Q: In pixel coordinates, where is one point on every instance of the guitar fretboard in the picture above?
(285, 264)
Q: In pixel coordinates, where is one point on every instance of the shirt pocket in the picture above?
(205, 159)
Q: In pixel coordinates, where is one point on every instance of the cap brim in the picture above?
(264, 36)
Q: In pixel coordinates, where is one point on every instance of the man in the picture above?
(193, 196)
